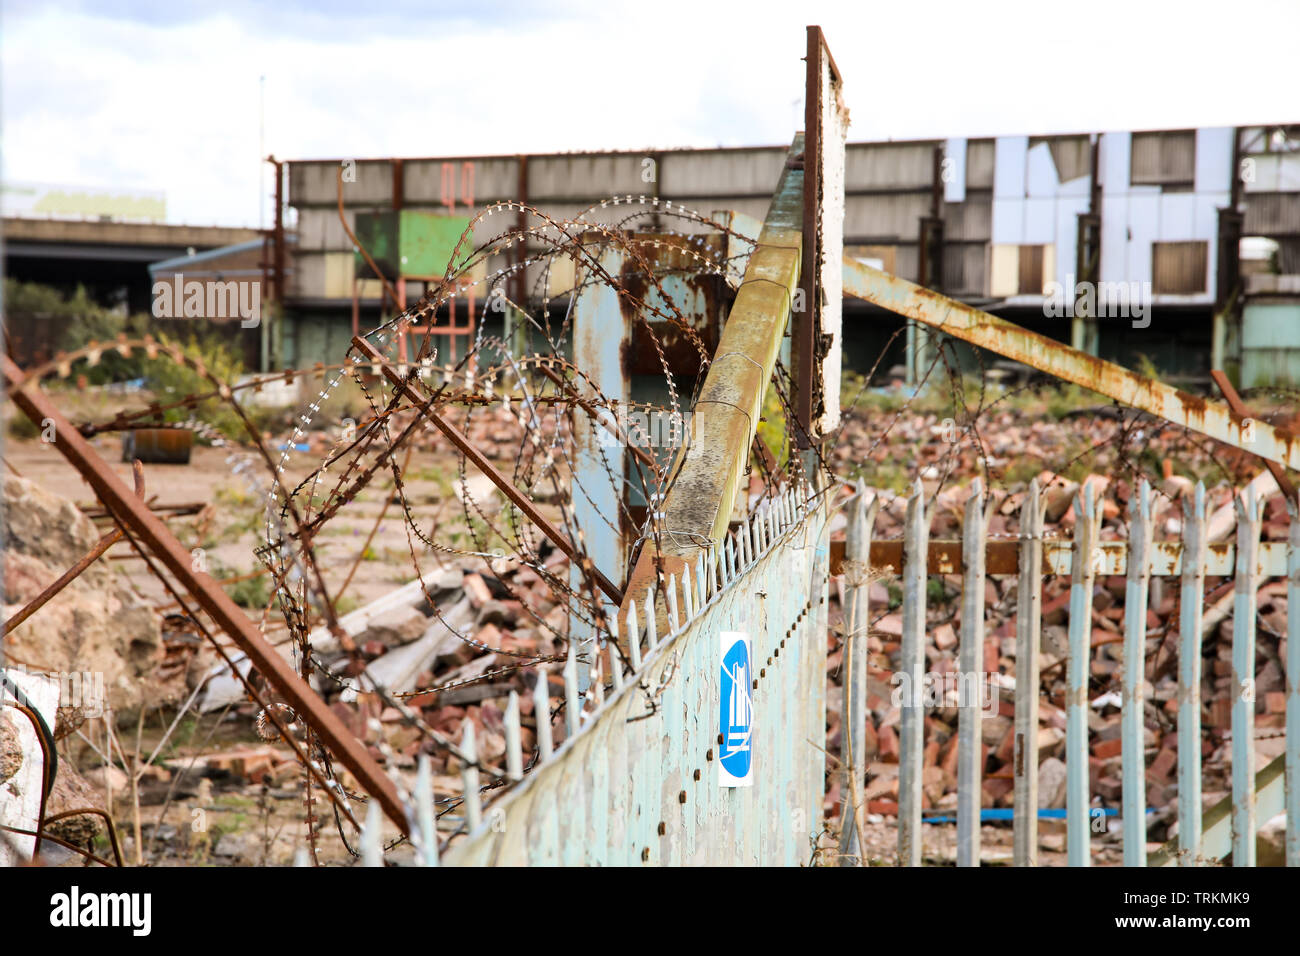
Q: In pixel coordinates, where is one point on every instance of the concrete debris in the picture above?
(95, 627)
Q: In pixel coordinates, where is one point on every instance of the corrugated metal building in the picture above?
(1153, 219)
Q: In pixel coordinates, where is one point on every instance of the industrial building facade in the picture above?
(1178, 246)
(1173, 244)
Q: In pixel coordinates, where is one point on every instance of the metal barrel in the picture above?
(162, 446)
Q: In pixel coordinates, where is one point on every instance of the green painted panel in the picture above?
(1271, 325)
(1270, 350)
(410, 242)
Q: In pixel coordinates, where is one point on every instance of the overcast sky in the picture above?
(163, 94)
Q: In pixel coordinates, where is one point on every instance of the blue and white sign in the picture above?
(736, 711)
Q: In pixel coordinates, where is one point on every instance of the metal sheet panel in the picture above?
(1179, 267)
(886, 216)
(664, 806)
(427, 182)
(317, 183)
(721, 172)
(972, 219)
(585, 176)
(1269, 214)
(890, 165)
(979, 164)
(1164, 157)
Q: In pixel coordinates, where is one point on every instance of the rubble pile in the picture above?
(1113, 489)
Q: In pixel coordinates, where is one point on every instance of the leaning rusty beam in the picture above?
(89, 558)
(1239, 407)
(466, 447)
(227, 615)
(708, 472)
(1037, 351)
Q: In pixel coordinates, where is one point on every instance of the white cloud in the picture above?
(155, 99)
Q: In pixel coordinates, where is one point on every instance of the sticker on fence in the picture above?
(735, 711)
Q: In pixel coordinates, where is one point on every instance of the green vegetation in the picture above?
(83, 322)
(772, 427)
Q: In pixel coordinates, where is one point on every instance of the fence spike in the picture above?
(1249, 515)
(688, 594)
(427, 854)
(651, 623)
(912, 666)
(372, 844)
(615, 659)
(514, 749)
(1029, 619)
(1132, 725)
(1292, 769)
(971, 677)
(728, 562)
(633, 638)
(542, 714)
(701, 582)
(301, 857)
(674, 615)
(857, 557)
(1082, 574)
(742, 547)
(1190, 619)
(572, 703)
(596, 688)
(469, 778)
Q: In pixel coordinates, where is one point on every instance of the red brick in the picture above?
(476, 589)
(930, 757)
(1165, 763)
(1107, 748)
(888, 744)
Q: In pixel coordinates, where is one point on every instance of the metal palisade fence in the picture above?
(1230, 827)
(643, 776)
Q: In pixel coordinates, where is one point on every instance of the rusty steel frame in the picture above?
(132, 512)
(1213, 419)
(466, 447)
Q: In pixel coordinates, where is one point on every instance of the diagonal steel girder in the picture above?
(158, 538)
(709, 472)
(1213, 419)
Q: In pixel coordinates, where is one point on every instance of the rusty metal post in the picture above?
(804, 323)
(128, 509)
